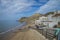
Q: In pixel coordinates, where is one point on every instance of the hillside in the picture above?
(31, 18)
(23, 19)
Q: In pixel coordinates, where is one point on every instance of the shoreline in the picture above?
(14, 28)
(11, 33)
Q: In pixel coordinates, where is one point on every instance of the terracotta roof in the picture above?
(56, 15)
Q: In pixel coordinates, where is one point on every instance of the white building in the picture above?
(54, 18)
(42, 20)
(49, 19)
(37, 22)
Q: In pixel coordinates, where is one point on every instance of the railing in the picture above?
(48, 33)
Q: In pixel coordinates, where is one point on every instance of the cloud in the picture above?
(13, 6)
(43, 0)
(52, 5)
(10, 8)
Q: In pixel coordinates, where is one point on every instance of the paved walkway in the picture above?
(28, 35)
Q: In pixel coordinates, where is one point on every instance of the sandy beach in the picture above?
(30, 34)
(25, 34)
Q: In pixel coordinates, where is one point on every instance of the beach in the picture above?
(23, 34)
(10, 33)
(29, 34)
(26, 32)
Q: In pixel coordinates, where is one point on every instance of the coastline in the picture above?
(22, 31)
(25, 34)
(11, 33)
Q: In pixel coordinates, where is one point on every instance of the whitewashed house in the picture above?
(37, 22)
(41, 21)
(49, 19)
(54, 18)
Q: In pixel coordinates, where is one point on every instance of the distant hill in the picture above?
(23, 19)
(31, 18)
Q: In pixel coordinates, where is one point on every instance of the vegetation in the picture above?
(23, 19)
(49, 13)
(30, 19)
(33, 17)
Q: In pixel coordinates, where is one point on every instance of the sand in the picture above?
(30, 34)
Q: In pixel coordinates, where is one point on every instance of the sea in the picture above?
(6, 25)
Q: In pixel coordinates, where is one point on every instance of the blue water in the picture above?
(8, 24)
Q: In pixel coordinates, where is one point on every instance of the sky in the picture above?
(50, 6)
(15, 9)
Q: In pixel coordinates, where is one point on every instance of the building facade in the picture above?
(49, 19)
